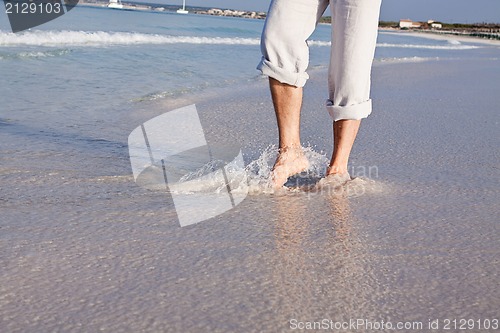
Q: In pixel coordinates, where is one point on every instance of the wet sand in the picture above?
(84, 249)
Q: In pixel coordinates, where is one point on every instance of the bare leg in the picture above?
(354, 37)
(344, 134)
(287, 102)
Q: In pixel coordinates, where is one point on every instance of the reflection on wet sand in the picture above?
(320, 268)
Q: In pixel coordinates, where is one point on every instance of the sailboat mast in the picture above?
(183, 9)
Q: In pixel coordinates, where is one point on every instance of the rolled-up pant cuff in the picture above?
(283, 76)
(351, 112)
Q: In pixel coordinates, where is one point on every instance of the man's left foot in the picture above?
(334, 180)
(290, 161)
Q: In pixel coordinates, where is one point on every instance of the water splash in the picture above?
(255, 178)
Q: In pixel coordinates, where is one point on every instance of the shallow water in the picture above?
(414, 237)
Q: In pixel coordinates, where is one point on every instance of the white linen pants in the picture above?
(285, 53)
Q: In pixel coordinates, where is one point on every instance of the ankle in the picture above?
(336, 170)
(291, 151)
(286, 148)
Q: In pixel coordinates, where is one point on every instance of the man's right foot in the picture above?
(290, 161)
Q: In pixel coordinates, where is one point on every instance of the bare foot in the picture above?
(290, 161)
(336, 170)
(334, 179)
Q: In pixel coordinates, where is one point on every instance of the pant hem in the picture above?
(283, 76)
(350, 112)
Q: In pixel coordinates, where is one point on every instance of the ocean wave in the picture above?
(318, 43)
(451, 45)
(406, 59)
(34, 54)
(432, 47)
(102, 38)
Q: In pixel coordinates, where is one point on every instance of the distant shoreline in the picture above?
(444, 35)
(466, 35)
(173, 8)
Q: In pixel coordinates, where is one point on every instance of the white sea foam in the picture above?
(431, 47)
(254, 179)
(452, 45)
(318, 43)
(102, 38)
(34, 54)
(406, 60)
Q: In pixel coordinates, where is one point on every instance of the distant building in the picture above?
(234, 13)
(405, 23)
(436, 25)
(409, 24)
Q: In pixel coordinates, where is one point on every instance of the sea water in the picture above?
(93, 60)
(83, 247)
(88, 73)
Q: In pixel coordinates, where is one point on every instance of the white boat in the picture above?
(183, 9)
(117, 4)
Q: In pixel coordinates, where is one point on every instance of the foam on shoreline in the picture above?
(443, 36)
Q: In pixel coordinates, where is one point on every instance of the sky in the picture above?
(450, 11)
